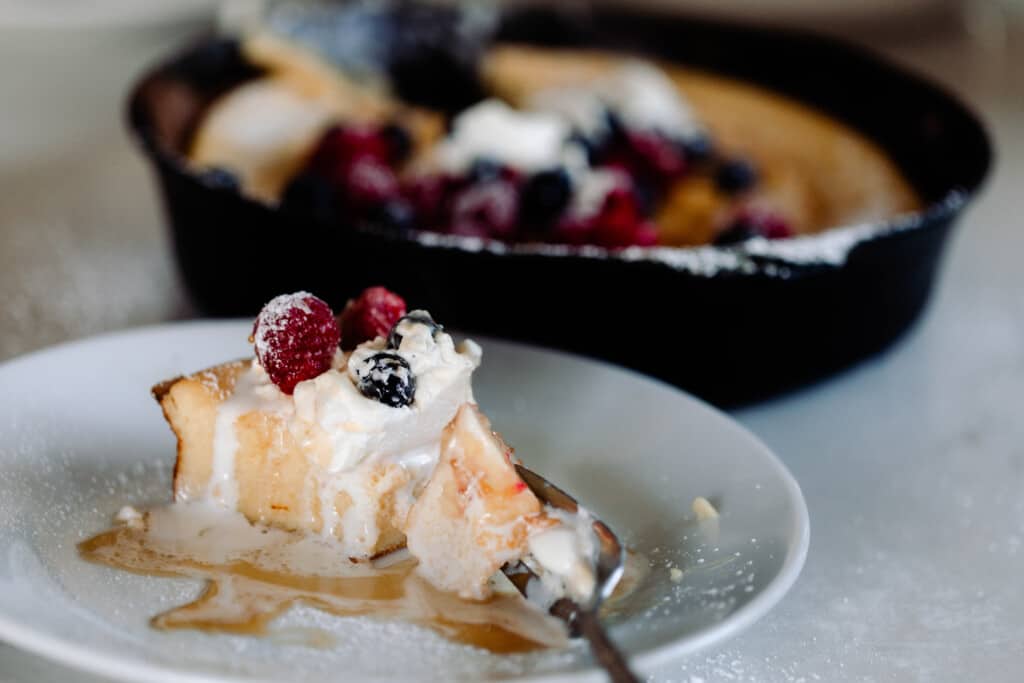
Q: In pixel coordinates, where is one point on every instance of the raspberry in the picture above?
(775, 227)
(340, 146)
(572, 230)
(616, 224)
(428, 194)
(492, 206)
(658, 154)
(646, 155)
(751, 222)
(295, 337)
(646, 235)
(369, 182)
(369, 316)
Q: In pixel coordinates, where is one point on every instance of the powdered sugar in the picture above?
(274, 319)
(772, 258)
(296, 337)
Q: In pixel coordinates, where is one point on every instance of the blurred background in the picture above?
(82, 248)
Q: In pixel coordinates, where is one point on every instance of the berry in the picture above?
(342, 145)
(657, 154)
(589, 147)
(572, 230)
(613, 124)
(697, 148)
(386, 377)
(395, 215)
(646, 235)
(397, 141)
(415, 318)
(775, 228)
(369, 182)
(735, 175)
(617, 222)
(492, 207)
(295, 337)
(219, 178)
(484, 169)
(749, 222)
(426, 195)
(372, 314)
(544, 196)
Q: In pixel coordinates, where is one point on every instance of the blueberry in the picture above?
(398, 141)
(697, 148)
(484, 169)
(395, 216)
(739, 231)
(647, 196)
(616, 127)
(735, 175)
(313, 196)
(219, 178)
(544, 196)
(419, 317)
(589, 147)
(387, 378)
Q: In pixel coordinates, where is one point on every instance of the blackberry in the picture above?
(387, 378)
(544, 196)
(398, 142)
(735, 175)
(418, 317)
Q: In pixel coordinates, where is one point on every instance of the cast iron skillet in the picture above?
(729, 324)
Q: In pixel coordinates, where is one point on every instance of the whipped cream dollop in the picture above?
(639, 94)
(550, 132)
(527, 141)
(359, 427)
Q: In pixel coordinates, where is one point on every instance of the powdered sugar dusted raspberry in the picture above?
(295, 337)
(369, 316)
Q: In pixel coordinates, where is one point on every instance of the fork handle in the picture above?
(603, 649)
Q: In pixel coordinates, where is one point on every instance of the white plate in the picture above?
(80, 437)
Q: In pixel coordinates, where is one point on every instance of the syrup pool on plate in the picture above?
(255, 573)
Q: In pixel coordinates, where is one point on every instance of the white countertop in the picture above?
(912, 462)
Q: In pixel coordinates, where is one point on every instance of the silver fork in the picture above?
(582, 618)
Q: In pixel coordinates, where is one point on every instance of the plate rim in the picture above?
(73, 656)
